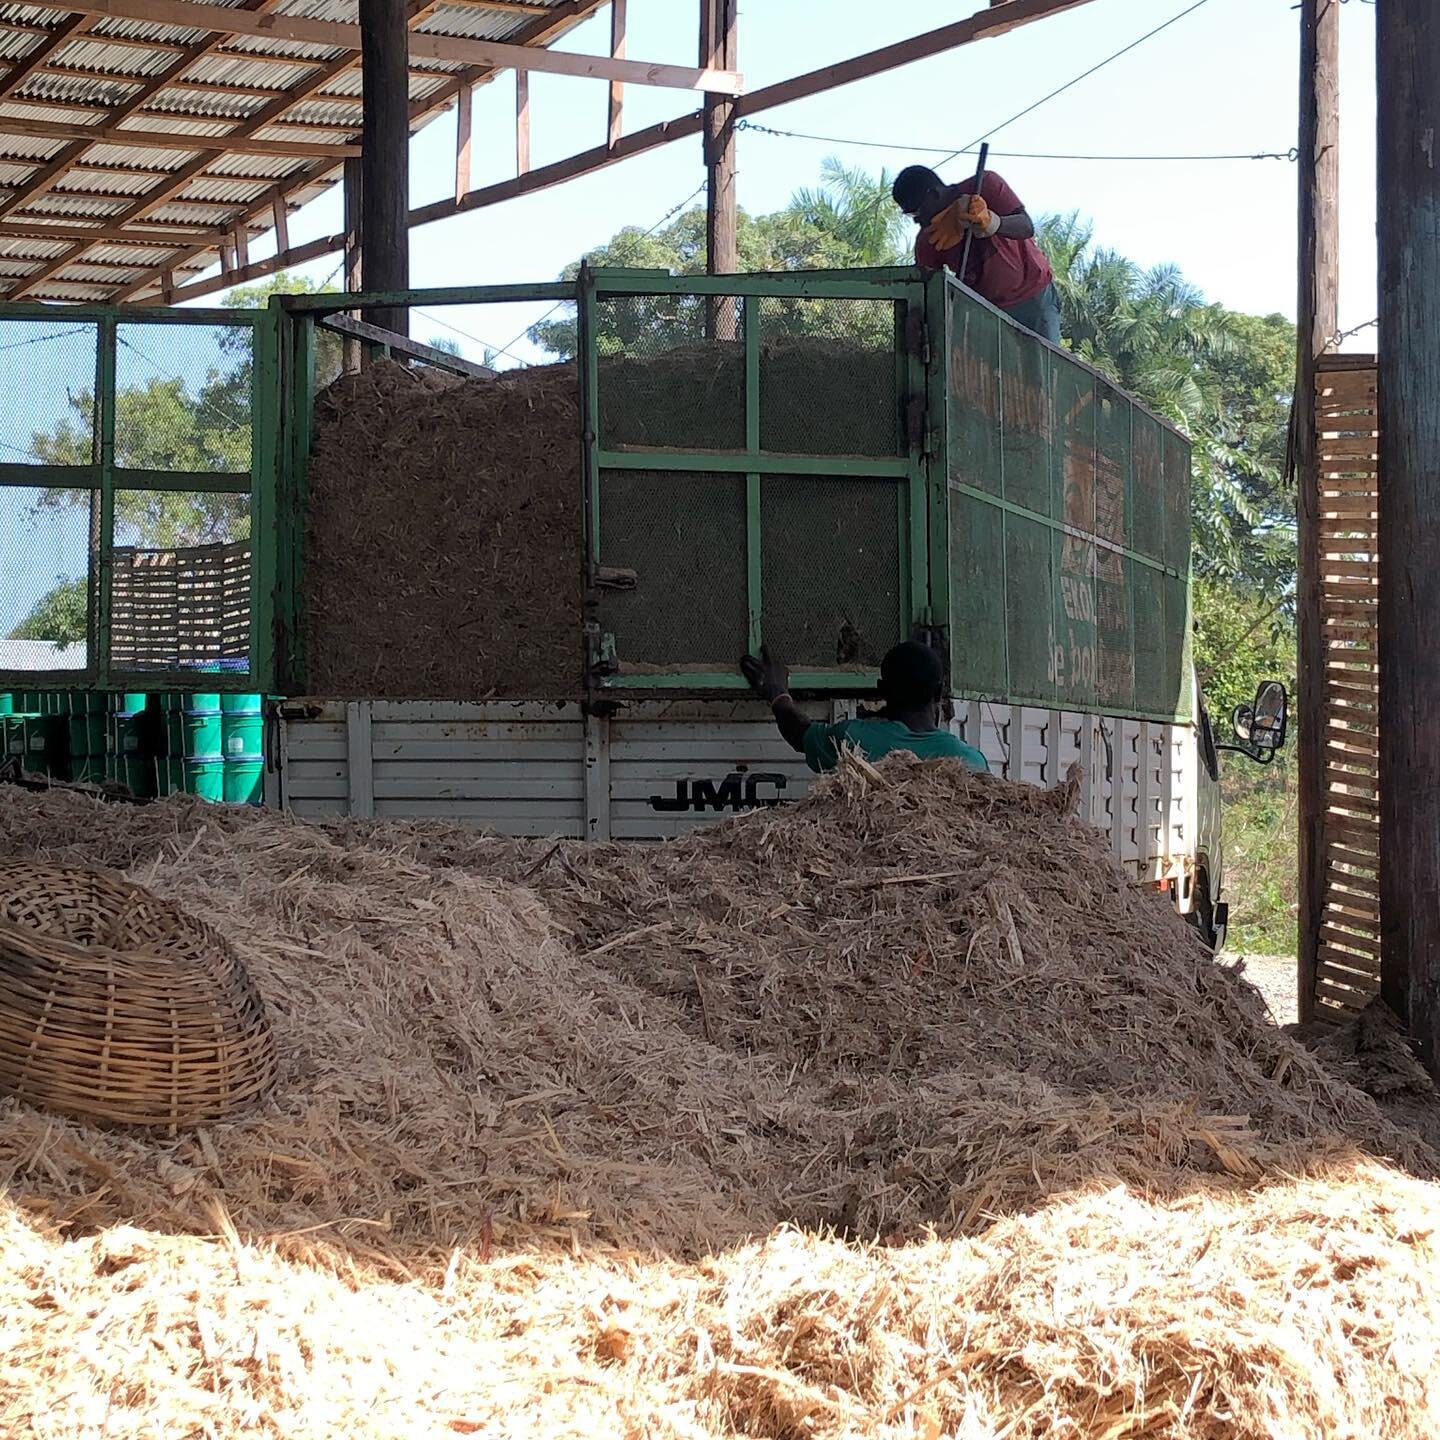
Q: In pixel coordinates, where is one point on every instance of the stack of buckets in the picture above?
(61, 733)
(224, 747)
(207, 744)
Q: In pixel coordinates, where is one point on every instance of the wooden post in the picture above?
(719, 48)
(522, 123)
(385, 158)
(464, 125)
(281, 216)
(616, 126)
(352, 352)
(1318, 319)
(1409, 380)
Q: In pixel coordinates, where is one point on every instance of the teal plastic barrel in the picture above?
(244, 781)
(205, 776)
(45, 747)
(243, 732)
(7, 703)
(130, 756)
(204, 738)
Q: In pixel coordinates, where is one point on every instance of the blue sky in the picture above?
(1220, 80)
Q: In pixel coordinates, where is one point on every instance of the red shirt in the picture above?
(1005, 271)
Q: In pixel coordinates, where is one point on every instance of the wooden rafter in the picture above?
(51, 173)
(28, 65)
(547, 28)
(998, 20)
(501, 55)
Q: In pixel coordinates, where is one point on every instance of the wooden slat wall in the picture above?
(172, 609)
(1347, 972)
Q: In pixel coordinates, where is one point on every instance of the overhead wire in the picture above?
(669, 215)
(1290, 154)
(1070, 84)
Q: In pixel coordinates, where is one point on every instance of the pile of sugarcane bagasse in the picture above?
(894, 1112)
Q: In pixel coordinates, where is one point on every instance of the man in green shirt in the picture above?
(912, 685)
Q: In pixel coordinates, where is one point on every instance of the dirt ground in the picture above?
(1274, 977)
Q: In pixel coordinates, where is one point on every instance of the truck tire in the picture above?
(1202, 913)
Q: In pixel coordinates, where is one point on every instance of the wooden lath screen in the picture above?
(1347, 974)
(180, 609)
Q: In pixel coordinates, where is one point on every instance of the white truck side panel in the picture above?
(658, 769)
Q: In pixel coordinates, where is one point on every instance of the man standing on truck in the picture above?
(912, 685)
(1005, 266)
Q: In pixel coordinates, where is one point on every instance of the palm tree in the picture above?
(854, 207)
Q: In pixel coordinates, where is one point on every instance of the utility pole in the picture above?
(1408, 183)
(385, 158)
(1318, 312)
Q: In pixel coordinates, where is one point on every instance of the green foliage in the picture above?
(848, 222)
(1223, 378)
(163, 425)
(1262, 879)
(1240, 640)
(59, 616)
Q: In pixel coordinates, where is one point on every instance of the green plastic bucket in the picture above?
(131, 703)
(44, 744)
(169, 775)
(244, 738)
(87, 734)
(205, 776)
(7, 703)
(244, 781)
(242, 704)
(204, 738)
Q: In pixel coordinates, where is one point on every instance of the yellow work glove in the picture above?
(978, 216)
(949, 228)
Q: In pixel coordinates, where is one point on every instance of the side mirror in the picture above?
(1269, 716)
(1260, 726)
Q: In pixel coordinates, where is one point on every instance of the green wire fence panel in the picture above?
(1069, 529)
(753, 476)
(137, 498)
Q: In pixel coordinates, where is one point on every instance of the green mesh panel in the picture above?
(831, 578)
(663, 383)
(684, 536)
(828, 378)
(1045, 607)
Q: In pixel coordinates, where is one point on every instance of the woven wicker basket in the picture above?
(115, 1005)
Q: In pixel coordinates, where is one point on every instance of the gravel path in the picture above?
(1274, 977)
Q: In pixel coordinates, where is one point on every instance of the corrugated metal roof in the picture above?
(271, 89)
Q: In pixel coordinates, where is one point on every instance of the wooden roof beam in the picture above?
(554, 23)
(55, 168)
(129, 42)
(204, 87)
(28, 65)
(235, 142)
(1000, 18)
(165, 236)
(49, 174)
(196, 14)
